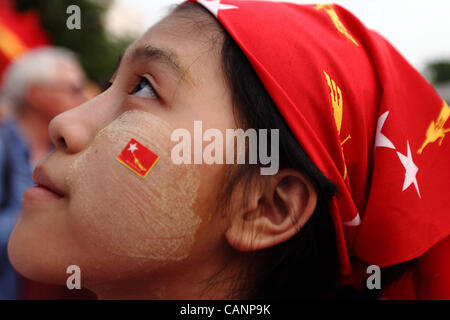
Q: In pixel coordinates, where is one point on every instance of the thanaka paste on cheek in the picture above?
(127, 215)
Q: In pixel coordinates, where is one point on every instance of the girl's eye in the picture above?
(144, 89)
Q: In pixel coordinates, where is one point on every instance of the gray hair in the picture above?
(35, 66)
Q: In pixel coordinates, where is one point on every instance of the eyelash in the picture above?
(141, 79)
(107, 86)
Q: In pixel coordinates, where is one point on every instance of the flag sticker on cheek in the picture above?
(138, 158)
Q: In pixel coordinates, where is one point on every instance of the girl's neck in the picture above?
(214, 282)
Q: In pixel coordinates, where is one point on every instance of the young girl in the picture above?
(362, 165)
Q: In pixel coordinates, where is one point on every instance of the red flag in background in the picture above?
(19, 32)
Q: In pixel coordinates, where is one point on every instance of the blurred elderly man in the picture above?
(38, 86)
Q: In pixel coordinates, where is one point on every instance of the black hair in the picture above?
(307, 265)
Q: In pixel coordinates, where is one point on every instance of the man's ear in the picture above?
(34, 97)
(277, 211)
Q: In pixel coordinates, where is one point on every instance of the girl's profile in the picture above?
(362, 165)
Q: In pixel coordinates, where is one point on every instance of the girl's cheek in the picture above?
(123, 213)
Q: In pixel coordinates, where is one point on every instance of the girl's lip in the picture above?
(43, 181)
(40, 193)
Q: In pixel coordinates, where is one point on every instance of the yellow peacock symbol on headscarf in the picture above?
(337, 22)
(338, 109)
(436, 129)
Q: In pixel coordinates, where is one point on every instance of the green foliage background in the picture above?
(439, 71)
(98, 51)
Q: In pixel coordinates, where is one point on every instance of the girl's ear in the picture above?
(276, 212)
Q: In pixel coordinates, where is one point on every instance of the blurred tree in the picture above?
(438, 72)
(98, 51)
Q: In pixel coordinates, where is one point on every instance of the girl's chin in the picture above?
(30, 267)
(35, 251)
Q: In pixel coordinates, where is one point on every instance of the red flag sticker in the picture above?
(138, 158)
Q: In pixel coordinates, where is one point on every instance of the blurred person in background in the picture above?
(39, 85)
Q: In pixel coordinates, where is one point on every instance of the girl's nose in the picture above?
(68, 132)
(73, 130)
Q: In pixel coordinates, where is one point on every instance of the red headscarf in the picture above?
(364, 116)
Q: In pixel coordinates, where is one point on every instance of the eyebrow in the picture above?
(160, 55)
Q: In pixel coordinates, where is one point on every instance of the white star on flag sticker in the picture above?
(411, 170)
(380, 139)
(214, 6)
(133, 147)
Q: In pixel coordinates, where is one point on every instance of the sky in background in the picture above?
(419, 29)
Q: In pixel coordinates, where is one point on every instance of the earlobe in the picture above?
(284, 206)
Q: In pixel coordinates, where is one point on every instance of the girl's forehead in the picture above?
(184, 32)
(188, 54)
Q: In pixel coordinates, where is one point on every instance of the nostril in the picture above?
(62, 142)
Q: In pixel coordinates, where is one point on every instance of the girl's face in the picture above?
(115, 225)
